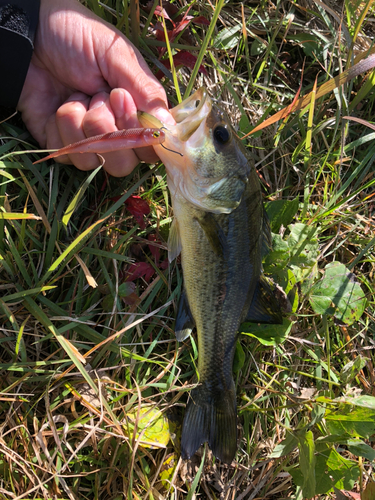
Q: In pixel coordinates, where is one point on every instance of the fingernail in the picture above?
(164, 116)
(117, 101)
(97, 105)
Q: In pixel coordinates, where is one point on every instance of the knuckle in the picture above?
(84, 161)
(120, 164)
(72, 110)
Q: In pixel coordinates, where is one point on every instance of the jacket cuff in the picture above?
(18, 25)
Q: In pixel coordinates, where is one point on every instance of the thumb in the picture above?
(125, 68)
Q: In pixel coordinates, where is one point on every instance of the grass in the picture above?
(93, 385)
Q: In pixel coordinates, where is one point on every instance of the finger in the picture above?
(53, 139)
(135, 76)
(125, 112)
(100, 119)
(69, 119)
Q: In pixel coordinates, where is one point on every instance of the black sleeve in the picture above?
(18, 24)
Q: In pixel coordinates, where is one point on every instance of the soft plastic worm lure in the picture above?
(113, 141)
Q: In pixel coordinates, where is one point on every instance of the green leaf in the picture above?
(334, 470)
(15, 216)
(307, 462)
(331, 470)
(227, 38)
(286, 279)
(281, 213)
(306, 277)
(298, 252)
(317, 414)
(107, 303)
(278, 257)
(356, 421)
(152, 427)
(351, 369)
(239, 357)
(257, 47)
(361, 449)
(303, 244)
(167, 469)
(310, 43)
(362, 401)
(270, 335)
(32, 291)
(338, 294)
(72, 248)
(126, 289)
(285, 447)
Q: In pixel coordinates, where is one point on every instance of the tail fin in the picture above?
(210, 417)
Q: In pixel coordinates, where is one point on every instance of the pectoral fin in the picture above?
(184, 320)
(264, 307)
(174, 241)
(214, 234)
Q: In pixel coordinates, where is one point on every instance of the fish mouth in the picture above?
(188, 115)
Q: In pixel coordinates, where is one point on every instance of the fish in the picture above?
(221, 230)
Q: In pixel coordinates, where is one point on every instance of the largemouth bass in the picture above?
(222, 233)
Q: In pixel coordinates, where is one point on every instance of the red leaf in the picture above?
(138, 208)
(140, 269)
(200, 20)
(131, 300)
(154, 249)
(163, 13)
(182, 58)
(186, 58)
(164, 265)
(178, 27)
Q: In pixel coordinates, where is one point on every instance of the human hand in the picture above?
(85, 78)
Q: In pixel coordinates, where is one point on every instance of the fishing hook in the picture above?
(171, 150)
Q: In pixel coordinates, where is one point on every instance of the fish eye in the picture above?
(197, 103)
(221, 134)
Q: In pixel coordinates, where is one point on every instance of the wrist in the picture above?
(18, 24)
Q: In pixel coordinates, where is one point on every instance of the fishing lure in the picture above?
(113, 141)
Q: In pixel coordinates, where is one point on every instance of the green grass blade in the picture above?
(73, 205)
(74, 247)
(194, 484)
(204, 47)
